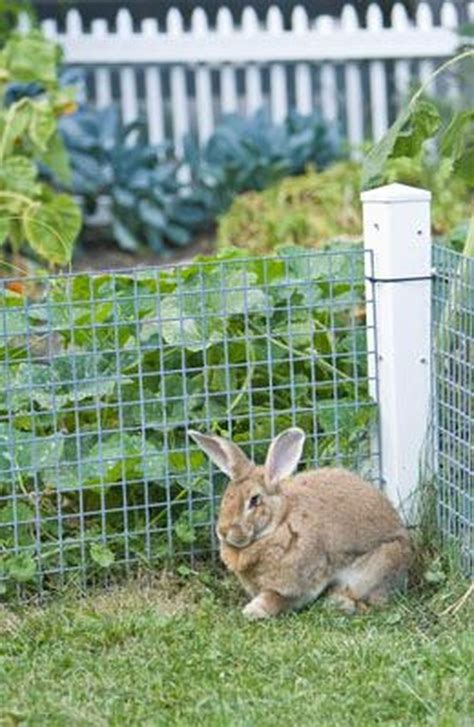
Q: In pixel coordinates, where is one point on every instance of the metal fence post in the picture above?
(397, 234)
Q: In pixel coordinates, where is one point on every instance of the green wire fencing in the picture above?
(102, 374)
(453, 370)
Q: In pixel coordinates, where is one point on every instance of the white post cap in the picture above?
(396, 193)
(397, 230)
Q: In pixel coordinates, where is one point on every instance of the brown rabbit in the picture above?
(288, 539)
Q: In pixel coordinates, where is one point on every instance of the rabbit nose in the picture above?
(235, 534)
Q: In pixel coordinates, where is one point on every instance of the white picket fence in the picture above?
(183, 80)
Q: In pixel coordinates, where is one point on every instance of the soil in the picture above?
(105, 255)
(101, 254)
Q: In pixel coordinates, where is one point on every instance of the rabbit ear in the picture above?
(283, 456)
(226, 455)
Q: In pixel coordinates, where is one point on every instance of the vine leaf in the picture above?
(21, 567)
(414, 125)
(51, 228)
(457, 143)
(32, 59)
(102, 555)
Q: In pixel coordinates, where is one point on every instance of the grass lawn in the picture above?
(178, 652)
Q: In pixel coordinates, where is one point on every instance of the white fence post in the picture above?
(397, 234)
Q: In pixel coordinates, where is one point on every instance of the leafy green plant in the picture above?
(306, 210)
(104, 418)
(317, 207)
(253, 153)
(419, 122)
(10, 11)
(152, 202)
(149, 205)
(30, 211)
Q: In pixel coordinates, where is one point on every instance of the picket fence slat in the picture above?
(325, 26)
(402, 75)
(228, 77)
(354, 100)
(128, 81)
(253, 81)
(378, 81)
(424, 19)
(153, 90)
(204, 107)
(303, 85)
(102, 77)
(179, 96)
(193, 75)
(278, 86)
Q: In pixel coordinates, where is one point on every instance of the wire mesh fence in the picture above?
(453, 346)
(101, 375)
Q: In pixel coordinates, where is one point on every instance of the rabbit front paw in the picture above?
(256, 609)
(266, 604)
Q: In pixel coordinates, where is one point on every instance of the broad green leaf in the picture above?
(463, 166)
(24, 453)
(120, 457)
(19, 174)
(124, 236)
(151, 214)
(188, 525)
(52, 227)
(42, 124)
(21, 567)
(56, 158)
(452, 140)
(16, 122)
(32, 59)
(15, 234)
(422, 124)
(344, 422)
(196, 315)
(178, 235)
(18, 317)
(4, 227)
(34, 454)
(415, 124)
(185, 531)
(17, 524)
(143, 405)
(102, 555)
(67, 380)
(457, 143)
(182, 328)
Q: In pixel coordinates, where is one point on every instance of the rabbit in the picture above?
(291, 538)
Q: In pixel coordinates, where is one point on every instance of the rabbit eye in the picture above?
(254, 500)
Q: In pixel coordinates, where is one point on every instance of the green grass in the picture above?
(178, 652)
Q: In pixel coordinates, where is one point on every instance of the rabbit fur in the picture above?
(290, 538)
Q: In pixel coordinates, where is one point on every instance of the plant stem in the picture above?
(319, 359)
(19, 197)
(247, 381)
(469, 244)
(441, 69)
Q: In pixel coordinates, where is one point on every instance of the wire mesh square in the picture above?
(102, 374)
(453, 345)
